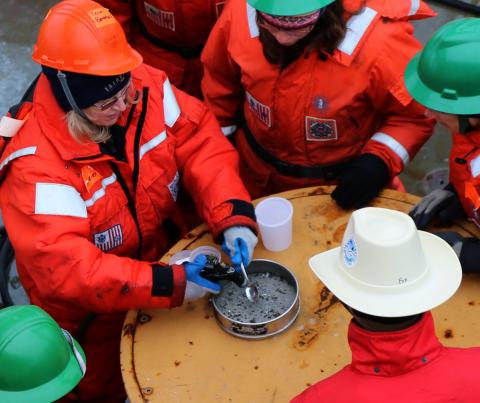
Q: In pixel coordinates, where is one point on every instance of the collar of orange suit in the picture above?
(292, 22)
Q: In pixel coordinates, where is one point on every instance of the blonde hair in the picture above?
(82, 129)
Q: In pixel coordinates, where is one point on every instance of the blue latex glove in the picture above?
(197, 286)
(239, 243)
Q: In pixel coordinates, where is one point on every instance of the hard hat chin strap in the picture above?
(76, 353)
(66, 89)
(463, 123)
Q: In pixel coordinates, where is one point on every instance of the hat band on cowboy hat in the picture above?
(386, 267)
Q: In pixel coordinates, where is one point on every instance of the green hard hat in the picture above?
(39, 362)
(445, 75)
(288, 7)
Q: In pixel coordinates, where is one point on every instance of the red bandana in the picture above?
(292, 22)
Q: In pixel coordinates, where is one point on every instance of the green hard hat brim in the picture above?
(50, 391)
(432, 99)
(288, 8)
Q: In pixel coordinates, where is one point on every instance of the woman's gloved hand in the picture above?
(441, 204)
(361, 181)
(467, 250)
(197, 286)
(239, 243)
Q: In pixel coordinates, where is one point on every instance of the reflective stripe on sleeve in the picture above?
(356, 28)
(394, 145)
(17, 154)
(101, 192)
(171, 109)
(252, 21)
(59, 199)
(150, 145)
(228, 130)
(414, 7)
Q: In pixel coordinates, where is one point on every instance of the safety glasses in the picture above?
(124, 94)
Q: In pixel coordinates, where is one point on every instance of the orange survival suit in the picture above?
(316, 114)
(87, 228)
(170, 34)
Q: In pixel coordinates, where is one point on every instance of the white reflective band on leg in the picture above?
(414, 7)
(59, 199)
(252, 21)
(101, 192)
(394, 145)
(475, 166)
(228, 130)
(150, 145)
(356, 28)
(171, 110)
(17, 154)
(76, 353)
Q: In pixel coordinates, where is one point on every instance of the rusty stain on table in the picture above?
(182, 355)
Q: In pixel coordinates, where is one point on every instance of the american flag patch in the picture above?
(109, 239)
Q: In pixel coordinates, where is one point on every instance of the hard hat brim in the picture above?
(433, 99)
(50, 391)
(439, 283)
(288, 8)
(119, 66)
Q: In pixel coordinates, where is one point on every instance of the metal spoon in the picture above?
(251, 290)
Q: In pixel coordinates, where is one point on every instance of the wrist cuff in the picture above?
(242, 207)
(162, 281)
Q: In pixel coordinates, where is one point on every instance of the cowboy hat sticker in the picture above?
(350, 252)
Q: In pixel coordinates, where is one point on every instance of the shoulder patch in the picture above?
(162, 18)
(109, 239)
(261, 111)
(318, 129)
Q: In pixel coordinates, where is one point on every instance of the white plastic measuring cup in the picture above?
(274, 217)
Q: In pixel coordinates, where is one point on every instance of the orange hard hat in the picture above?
(81, 36)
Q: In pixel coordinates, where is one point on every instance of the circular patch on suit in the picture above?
(320, 103)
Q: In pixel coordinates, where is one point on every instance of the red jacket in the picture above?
(409, 365)
(86, 228)
(465, 172)
(318, 112)
(169, 34)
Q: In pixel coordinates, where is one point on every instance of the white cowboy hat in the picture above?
(386, 267)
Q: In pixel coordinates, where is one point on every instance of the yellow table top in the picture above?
(182, 355)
